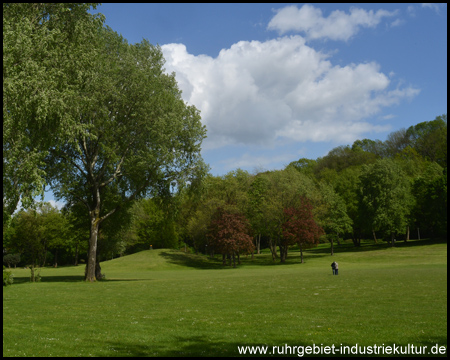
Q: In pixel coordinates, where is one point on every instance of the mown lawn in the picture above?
(167, 303)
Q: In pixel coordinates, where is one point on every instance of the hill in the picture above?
(167, 303)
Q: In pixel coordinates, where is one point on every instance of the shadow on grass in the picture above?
(201, 346)
(63, 278)
(366, 245)
(66, 278)
(265, 258)
(191, 260)
(205, 262)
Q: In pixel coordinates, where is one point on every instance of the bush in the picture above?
(7, 277)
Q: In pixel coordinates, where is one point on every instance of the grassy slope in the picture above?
(167, 303)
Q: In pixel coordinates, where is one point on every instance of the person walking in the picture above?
(333, 267)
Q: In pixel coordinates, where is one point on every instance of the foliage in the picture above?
(47, 51)
(8, 277)
(299, 227)
(228, 234)
(141, 135)
(11, 259)
(152, 223)
(33, 233)
(385, 198)
(334, 217)
(77, 235)
(429, 212)
(429, 138)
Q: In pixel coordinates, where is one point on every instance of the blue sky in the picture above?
(279, 82)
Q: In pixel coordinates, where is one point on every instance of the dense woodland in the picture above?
(97, 121)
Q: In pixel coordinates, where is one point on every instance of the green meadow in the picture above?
(169, 303)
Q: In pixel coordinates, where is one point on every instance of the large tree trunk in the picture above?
(301, 253)
(92, 253)
(98, 270)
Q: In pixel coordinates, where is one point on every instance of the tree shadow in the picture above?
(67, 278)
(62, 278)
(371, 246)
(191, 260)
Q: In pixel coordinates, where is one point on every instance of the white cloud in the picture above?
(398, 22)
(255, 161)
(281, 89)
(337, 26)
(434, 6)
(57, 204)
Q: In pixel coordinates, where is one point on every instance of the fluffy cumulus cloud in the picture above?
(337, 26)
(261, 93)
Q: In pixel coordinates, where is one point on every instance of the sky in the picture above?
(278, 82)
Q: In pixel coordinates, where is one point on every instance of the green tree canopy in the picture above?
(142, 136)
(47, 51)
(385, 198)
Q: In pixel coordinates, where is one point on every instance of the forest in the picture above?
(98, 122)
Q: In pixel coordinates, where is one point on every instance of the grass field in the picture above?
(168, 303)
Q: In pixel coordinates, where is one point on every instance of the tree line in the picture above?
(371, 189)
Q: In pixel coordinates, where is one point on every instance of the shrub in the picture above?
(7, 277)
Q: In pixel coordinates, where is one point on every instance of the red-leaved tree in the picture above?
(228, 234)
(299, 227)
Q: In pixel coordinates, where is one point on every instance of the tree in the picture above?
(430, 209)
(343, 157)
(429, 138)
(47, 49)
(300, 227)
(385, 198)
(11, 259)
(26, 238)
(304, 165)
(257, 197)
(53, 231)
(396, 142)
(141, 135)
(153, 223)
(229, 234)
(376, 147)
(77, 231)
(35, 232)
(334, 217)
